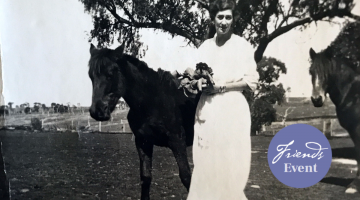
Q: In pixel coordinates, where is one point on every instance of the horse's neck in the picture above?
(340, 83)
(140, 80)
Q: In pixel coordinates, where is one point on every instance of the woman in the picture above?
(222, 145)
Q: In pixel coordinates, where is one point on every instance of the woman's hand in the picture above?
(213, 89)
(207, 88)
(199, 84)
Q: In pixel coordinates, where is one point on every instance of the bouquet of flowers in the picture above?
(189, 80)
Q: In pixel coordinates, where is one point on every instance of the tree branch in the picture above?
(153, 24)
(113, 12)
(203, 3)
(283, 21)
(127, 12)
(266, 40)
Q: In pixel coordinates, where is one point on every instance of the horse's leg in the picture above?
(145, 151)
(355, 184)
(178, 148)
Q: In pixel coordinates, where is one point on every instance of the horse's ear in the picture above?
(92, 49)
(312, 54)
(120, 50)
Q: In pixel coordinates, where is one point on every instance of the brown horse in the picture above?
(334, 76)
(160, 114)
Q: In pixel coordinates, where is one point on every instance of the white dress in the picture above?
(222, 145)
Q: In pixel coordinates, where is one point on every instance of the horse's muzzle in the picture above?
(318, 101)
(99, 112)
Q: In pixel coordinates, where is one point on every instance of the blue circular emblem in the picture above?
(299, 155)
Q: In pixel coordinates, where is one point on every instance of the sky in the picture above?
(45, 52)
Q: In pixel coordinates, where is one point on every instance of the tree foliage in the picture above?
(260, 22)
(269, 70)
(346, 45)
(10, 104)
(263, 113)
(27, 110)
(268, 93)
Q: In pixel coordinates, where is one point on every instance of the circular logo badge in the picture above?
(299, 155)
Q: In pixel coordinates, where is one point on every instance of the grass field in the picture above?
(48, 165)
(87, 165)
(304, 109)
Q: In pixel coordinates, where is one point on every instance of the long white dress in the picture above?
(222, 145)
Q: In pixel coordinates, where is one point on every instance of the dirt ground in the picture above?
(106, 166)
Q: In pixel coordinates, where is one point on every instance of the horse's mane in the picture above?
(346, 46)
(323, 66)
(103, 58)
(100, 58)
(343, 51)
(161, 76)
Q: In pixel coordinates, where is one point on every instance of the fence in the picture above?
(330, 127)
(75, 124)
(118, 123)
(72, 122)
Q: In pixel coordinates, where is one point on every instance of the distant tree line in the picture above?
(38, 107)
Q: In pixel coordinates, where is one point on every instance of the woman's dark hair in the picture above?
(220, 5)
(217, 6)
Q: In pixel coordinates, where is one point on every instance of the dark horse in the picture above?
(337, 77)
(159, 114)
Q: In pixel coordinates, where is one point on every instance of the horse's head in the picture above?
(107, 81)
(321, 65)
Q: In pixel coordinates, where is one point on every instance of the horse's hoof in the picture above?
(351, 191)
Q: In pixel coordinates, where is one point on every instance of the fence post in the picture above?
(122, 125)
(327, 128)
(100, 126)
(263, 128)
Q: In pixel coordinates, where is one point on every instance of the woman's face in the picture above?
(223, 21)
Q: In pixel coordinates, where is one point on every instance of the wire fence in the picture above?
(70, 122)
(81, 121)
(330, 127)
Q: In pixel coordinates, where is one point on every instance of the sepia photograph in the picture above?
(180, 99)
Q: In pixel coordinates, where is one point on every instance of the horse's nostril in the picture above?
(319, 99)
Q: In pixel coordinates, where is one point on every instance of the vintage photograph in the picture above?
(178, 99)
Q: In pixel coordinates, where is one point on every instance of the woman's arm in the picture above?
(236, 86)
(233, 86)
